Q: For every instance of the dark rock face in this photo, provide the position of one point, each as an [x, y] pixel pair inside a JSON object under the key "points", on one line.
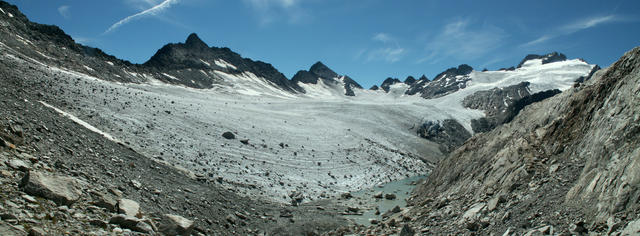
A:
{"points": [[547, 58], [502, 104], [445, 83], [582, 79], [349, 85], [306, 77], [508, 69], [449, 134], [193, 41], [374, 87], [409, 80], [323, 71], [195, 54], [521, 103], [388, 82], [328, 76], [418, 85], [463, 69], [495, 103]]}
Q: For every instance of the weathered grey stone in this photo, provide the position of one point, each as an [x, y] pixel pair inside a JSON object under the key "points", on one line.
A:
{"points": [[633, 228], [60, 189], [143, 227], [128, 207], [473, 211], [136, 184], [494, 202], [228, 135], [176, 225], [105, 201], [35, 231], [407, 231], [378, 195], [231, 219], [131, 223], [29, 198], [18, 165]]}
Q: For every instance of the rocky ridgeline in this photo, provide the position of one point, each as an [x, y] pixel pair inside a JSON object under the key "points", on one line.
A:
{"points": [[564, 166]]}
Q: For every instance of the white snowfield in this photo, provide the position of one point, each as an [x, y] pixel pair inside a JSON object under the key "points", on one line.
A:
{"points": [[321, 143]]}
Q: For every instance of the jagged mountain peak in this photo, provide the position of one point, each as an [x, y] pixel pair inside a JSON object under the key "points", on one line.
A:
{"points": [[386, 84], [546, 58], [320, 71], [462, 69], [196, 54], [193, 41], [410, 80], [323, 71]]}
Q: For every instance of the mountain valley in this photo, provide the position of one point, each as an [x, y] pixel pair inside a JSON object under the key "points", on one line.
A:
{"points": [[206, 142]]}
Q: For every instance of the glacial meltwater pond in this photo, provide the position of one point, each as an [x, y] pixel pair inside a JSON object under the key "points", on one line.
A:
{"points": [[401, 188]]}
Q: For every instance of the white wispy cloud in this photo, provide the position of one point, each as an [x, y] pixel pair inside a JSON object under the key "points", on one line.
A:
{"points": [[387, 49], [387, 54], [155, 10], [269, 11], [540, 40], [382, 37], [571, 28], [65, 11], [588, 23], [460, 40]]}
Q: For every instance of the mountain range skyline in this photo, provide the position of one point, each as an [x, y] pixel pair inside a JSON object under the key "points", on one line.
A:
{"points": [[367, 41]]}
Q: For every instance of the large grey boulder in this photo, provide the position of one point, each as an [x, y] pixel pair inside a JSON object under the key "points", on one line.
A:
{"points": [[60, 189], [128, 207], [131, 223], [104, 200], [176, 225], [18, 165], [633, 228]]}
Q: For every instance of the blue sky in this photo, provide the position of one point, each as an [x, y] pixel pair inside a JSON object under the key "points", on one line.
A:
{"points": [[368, 40]]}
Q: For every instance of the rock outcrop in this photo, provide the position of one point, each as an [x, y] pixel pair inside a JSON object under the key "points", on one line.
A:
{"points": [[61, 189], [447, 82], [319, 71], [547, 58], [180, 59], [449, 134], [176, 225], [388, 82]]}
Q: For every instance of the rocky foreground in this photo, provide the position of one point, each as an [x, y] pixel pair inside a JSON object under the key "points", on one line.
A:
{"points": [[568, 165]]}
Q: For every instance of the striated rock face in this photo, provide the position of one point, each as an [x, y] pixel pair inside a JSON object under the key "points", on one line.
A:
{"points": [[571, 161], [502, 104], [449, 134], [447, 82]]}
